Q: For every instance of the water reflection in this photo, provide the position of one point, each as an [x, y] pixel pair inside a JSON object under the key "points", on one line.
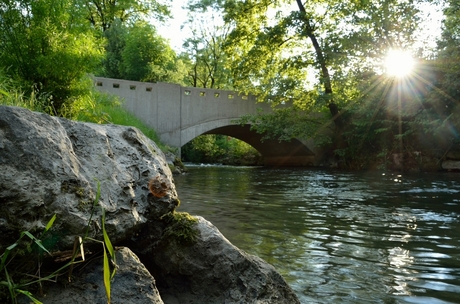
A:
{"points": [[339, 237]]}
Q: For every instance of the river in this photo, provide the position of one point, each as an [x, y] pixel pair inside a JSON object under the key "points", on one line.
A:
{"points": [[339, 237]]}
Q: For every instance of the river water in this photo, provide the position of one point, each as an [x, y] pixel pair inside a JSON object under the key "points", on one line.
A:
{"points": [[339, 237]]}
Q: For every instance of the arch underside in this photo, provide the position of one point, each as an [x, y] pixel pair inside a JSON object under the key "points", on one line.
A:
{"points": [[274, 152]]}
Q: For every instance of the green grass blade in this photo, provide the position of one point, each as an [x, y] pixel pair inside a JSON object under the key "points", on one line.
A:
{"points": [[50, 223], [107, 276], [5, 255], [11, 247], [39, 244], [10, 285], [52, 276], [98, 193], [36, 241], [4, 93], [29, 295], [108, 244], [96, 201], [27, 233]]}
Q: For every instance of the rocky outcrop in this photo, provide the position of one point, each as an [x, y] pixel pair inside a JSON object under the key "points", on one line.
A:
{"points": [[53, 166], [175, 163], [212, 270]]}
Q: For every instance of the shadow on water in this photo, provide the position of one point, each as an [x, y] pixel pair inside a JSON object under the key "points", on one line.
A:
{"points": [[339, 237]]}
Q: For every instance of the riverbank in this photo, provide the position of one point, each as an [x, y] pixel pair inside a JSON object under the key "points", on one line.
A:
{"points": [[429, 157]]}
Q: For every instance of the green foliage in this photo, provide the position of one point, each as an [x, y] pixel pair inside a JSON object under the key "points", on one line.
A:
{"points": [[137, 52], [241, 153], [47, 47], [102, 14], [180, 227], [108, 109], [146, 56], [107, 248], [308, 55], [115, 43], [224, 149], [24, 246], [202, 147], [397, 117], [289, 122], [11, 94], [205, 53], [90, 105], [16, 277]]}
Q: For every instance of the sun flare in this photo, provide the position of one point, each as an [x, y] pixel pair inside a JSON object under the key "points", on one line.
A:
{"points": [[398, 63]]}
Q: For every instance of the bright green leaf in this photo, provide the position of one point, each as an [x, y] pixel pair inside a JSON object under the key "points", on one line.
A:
{"points": [[50, 223], [107, 276], [29, 295]]}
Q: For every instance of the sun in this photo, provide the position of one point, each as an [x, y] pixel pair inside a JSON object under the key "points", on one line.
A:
{"points": [[398, 63]]}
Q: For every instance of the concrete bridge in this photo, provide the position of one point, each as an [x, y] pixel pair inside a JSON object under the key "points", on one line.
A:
{"points": [[179, 114]]}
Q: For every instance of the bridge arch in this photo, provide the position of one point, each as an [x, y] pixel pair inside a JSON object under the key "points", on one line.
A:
{"points": [[274, 152], [179, 114], [190, 132]]}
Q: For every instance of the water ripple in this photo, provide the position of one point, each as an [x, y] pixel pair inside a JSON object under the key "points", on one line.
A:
{"points": [[339, 237]]}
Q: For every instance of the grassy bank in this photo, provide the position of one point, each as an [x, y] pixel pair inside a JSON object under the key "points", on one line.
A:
{"points": [[109, 109]]}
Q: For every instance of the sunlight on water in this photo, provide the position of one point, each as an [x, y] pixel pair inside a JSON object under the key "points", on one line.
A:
{"points": [[339, 237]]}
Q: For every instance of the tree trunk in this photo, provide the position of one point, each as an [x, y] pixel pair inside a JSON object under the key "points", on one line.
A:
{"points": [[325, 76]]}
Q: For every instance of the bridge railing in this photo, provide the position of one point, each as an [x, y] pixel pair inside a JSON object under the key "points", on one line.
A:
{"points": [[112, 84]]}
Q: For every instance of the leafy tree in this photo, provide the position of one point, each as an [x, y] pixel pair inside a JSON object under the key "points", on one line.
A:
{"points": [[277, 57], [202, 149], [449, 54], [205, 52], [137, 52], [115, 44], [146, 55], [47, 46], [103, 13], [441, 115], [208, 67], [317, 56], [117, 20]]}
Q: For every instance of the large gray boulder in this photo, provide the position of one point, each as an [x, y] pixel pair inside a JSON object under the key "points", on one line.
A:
{"points": [[132, 284], [50, 165], [212, 270]]}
